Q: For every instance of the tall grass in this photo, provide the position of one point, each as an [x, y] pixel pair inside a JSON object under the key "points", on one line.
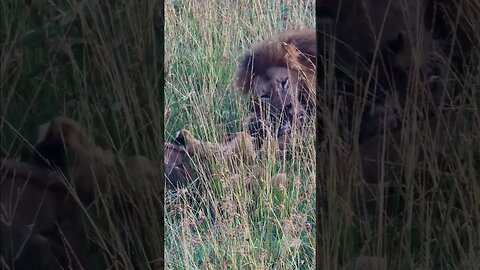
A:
{"points": [[426, 208], [240, 220], [100, 63]]}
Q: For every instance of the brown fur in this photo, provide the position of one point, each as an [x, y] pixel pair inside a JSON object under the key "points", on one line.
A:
{"points": [[180, 155], [389, 148], [380, 162], [178, 170], [93, 169], [279, 72], [122, 183], [274, 52], [36, 198], [386, 44], [362, 24], [455, 24], [275, 91], [62, 138], [24, 186], [262, 125], [396, 28], [259, 130], [22, 250], [236, 148]]}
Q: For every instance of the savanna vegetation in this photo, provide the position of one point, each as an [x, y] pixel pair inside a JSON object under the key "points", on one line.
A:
{"points": [[99, 63], [240, 220]]}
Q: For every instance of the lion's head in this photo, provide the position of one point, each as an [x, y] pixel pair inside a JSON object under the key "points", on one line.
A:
{"points": [[373, 56], [280, 71], [278, 75], [275, 91]]}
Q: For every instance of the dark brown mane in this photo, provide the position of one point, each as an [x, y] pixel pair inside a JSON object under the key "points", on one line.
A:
{"points": [[274, 53]]}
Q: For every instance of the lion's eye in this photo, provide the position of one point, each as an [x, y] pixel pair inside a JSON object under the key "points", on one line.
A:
{"points": [[284, 84]]}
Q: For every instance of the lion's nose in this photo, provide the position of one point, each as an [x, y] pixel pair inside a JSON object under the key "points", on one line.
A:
{"points": [[265, 98]]}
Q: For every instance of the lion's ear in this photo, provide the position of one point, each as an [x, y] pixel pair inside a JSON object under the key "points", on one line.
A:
{"points": [[43, 131], [49, 148], [183, 138], [179, 139]]}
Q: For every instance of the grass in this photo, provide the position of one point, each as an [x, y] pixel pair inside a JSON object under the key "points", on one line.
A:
{"points": [[67, 58], [100, 63], [427, 207], [232, 224]]}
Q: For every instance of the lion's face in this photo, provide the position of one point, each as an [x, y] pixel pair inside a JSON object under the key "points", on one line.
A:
{"points": [[275, 91]]}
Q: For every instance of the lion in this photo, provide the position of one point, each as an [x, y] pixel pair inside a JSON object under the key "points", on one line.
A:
{"points": [[35, 201], [93, 168], [178, 169], [234, 154], [22, 249], [260, 130], [25, 185], [62, 139], [237, 148], [361, 173], [371, 182], [372, 68], [187, 158], [284, 62], [65, 175], [278, 75], [454, 24], [38, 202], [367, 24]]}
